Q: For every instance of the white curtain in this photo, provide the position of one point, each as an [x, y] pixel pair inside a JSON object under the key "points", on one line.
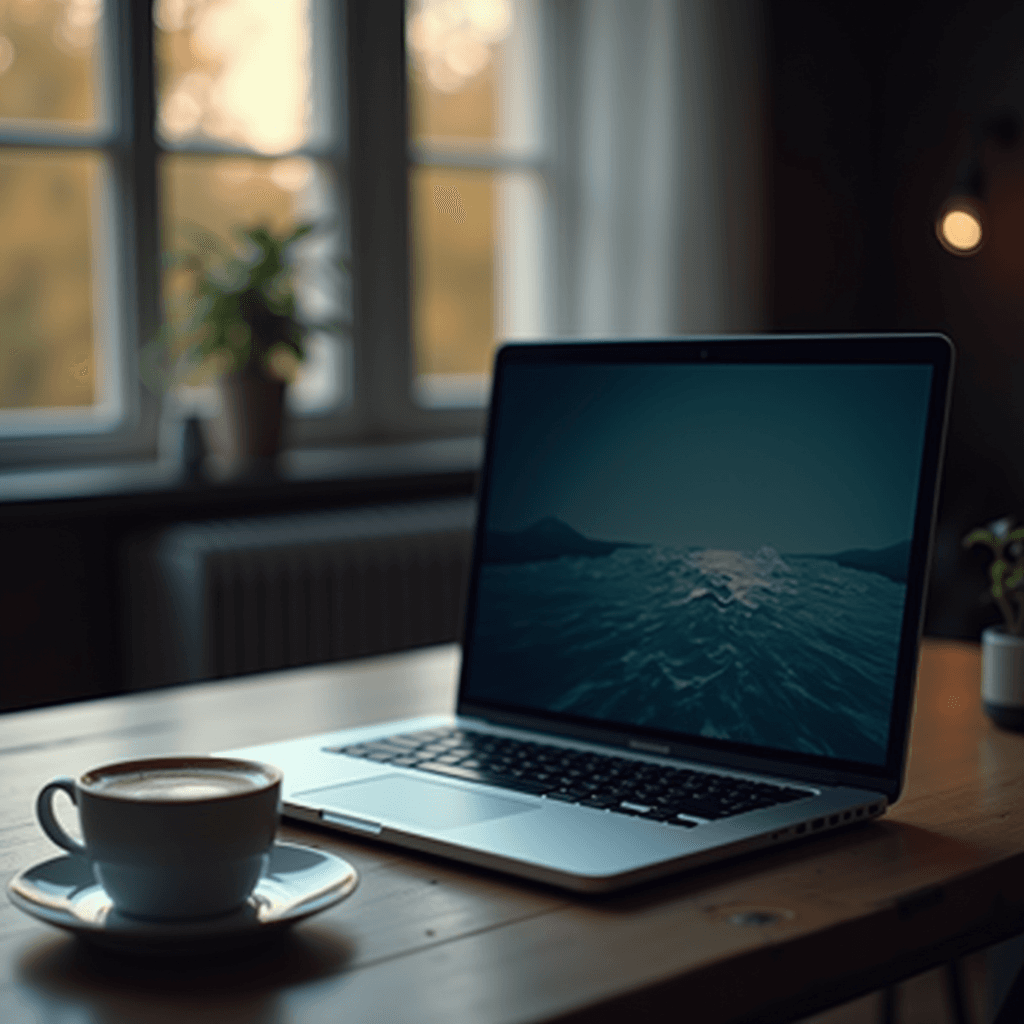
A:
{"points": [[657, 145]]}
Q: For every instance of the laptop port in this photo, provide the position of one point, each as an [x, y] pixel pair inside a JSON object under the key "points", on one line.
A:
{"points": [[834, 819], [860, 811], [801, 829], [846, 816], [873, 809], [818, 823]]}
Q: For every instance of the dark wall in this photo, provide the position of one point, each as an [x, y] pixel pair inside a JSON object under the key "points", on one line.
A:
{"points": [[872, 107], [55, 601], [63, 591], [828, 191]]}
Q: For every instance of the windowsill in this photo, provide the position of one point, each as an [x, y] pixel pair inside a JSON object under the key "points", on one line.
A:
{"points": [[352, 471]]}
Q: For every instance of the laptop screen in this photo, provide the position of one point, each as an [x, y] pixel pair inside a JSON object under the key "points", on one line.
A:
{"points": [[712, 550]]}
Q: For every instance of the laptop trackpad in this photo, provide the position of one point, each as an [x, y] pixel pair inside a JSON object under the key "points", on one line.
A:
{"points": [[422, 803]]}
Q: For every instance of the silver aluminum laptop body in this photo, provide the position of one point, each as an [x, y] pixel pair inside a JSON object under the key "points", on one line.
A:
{"points": [[706, 553]]}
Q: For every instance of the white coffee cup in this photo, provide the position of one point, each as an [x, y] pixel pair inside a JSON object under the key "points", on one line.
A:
{"points": [[172, 838]]}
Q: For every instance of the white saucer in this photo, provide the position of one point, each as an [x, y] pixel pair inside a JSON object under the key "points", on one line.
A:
{"points": [[299, 882]]}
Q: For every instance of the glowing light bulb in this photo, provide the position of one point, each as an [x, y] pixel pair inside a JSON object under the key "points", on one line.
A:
{"points": [[959, 227]]}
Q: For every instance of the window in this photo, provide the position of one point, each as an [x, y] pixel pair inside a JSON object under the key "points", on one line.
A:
{"points": [[62, 365], [123, 126], [479, 187]]}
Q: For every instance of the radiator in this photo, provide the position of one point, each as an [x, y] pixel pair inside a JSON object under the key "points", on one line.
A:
{"points": [[207, 600]]}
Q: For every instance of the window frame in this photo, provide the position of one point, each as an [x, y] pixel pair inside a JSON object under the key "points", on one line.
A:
{"points": [[127, 148], [370, 161], [538, 161], [380, 161]]}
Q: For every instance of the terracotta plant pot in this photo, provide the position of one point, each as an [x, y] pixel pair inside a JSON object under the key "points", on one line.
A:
{"points": [[1002, 677], [253, 416]]}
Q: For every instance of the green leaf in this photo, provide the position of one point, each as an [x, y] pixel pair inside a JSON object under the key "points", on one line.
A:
{"points": [[240, 302], [980, 536], [300, 232], [1015, 578], [997, 572]]}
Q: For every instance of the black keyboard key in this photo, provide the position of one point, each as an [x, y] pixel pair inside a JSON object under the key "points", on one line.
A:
{"points": [[601, 803], [427, 734], [656, 815], [569, 798], [701, 809], [633, 808], [786, 796], [409, 742], [574, 791]]}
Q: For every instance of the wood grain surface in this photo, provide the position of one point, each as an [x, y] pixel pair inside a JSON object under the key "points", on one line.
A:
{"points": [[424, 940]]}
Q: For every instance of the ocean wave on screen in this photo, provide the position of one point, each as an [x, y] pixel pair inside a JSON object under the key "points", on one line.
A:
{"points": [[742, 576], [796, 652]]}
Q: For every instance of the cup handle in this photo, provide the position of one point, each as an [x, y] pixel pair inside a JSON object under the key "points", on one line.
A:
{"points": [[49, 823]]}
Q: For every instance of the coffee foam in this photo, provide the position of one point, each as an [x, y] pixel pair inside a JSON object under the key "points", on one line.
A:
{"points": [[180, 783]]}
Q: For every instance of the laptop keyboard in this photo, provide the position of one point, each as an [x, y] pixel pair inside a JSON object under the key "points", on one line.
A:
{"points": [[677, 796]]}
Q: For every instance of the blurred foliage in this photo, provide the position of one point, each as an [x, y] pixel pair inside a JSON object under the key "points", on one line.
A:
{"points": [[238, 312], [454, 228], [48, 64], [1006, 570]]}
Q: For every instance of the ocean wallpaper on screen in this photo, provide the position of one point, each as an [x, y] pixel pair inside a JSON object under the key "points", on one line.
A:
{"points": [[715, 550]]}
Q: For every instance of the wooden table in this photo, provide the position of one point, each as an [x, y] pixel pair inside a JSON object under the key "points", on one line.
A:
{"points": [[423, 940]]}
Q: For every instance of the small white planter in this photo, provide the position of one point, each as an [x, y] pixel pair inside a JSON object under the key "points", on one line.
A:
{"points": [[1002, 677]]}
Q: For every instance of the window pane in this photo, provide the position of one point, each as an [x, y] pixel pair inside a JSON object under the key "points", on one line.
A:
{"points": [[235, 72], [474, 73], [50, 55], [474, 80], [453, 270], [221, 195], [49, 207], [477, 275]]}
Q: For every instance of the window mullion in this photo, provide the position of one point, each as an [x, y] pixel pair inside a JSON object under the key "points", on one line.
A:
{"points": [[134, 157], [379, 205]]}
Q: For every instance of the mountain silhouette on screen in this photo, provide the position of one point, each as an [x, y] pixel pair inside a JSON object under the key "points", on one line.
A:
{"points": [[891, 562], [546, 539]]}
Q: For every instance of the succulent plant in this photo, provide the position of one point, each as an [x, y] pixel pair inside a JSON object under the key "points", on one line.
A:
{"points": [[1006, 571]]}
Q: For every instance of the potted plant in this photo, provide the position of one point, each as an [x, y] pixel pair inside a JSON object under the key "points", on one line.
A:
{"points": [[235, 314], [1002, 647]]}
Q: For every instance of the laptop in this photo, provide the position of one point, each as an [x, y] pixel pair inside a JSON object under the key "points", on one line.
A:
{"points": [[693, 614]]}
